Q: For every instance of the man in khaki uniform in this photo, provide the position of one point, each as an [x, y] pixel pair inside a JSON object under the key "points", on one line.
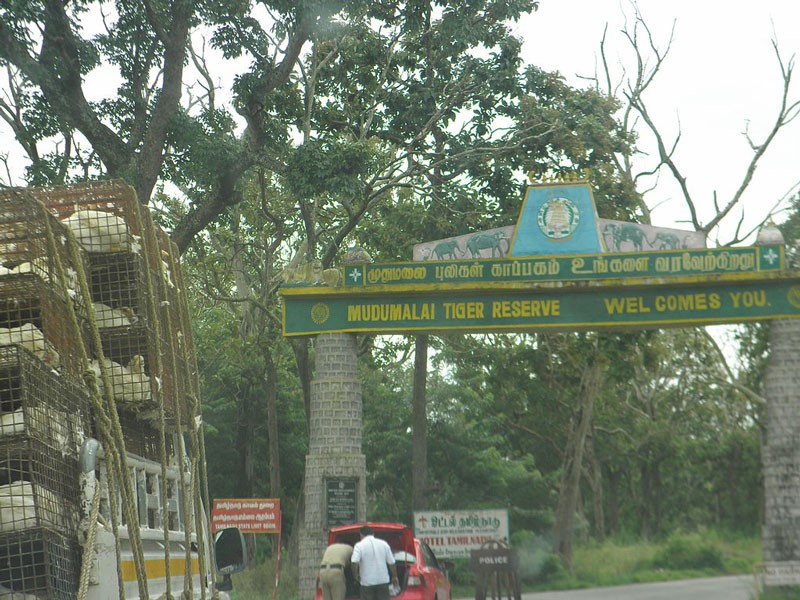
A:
{"points": [[331, 571]]}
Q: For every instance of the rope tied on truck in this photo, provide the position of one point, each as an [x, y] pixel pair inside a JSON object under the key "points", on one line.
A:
{"points": [[106, 417], [108, 306]]}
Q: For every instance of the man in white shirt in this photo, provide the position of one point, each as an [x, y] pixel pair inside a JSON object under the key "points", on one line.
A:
{"points": [[372, 562]]}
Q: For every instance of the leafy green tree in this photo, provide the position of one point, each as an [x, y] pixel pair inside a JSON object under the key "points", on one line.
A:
{"points": [[380, 124]]}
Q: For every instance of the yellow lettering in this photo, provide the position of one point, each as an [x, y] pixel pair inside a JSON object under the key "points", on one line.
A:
{"points": [[517, 309], [614, 306], [691, 302], [463, 310]]}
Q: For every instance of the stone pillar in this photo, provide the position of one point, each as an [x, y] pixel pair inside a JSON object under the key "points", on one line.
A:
{"points": [[780, 536], [334, 451], [780, 454]]}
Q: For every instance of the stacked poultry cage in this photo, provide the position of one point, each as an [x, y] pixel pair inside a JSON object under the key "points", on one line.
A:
{"points": [[132, 272], [43, 409], [91, 332]]}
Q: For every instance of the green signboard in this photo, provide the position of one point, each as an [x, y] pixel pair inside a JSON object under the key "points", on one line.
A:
{"points": [[672, 264], [309, 310]]}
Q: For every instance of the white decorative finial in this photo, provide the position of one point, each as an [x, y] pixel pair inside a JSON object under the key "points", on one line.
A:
{"points": [[769, 235]]}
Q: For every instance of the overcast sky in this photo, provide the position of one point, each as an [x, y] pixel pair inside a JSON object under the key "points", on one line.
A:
{"points": [[721, 73]]}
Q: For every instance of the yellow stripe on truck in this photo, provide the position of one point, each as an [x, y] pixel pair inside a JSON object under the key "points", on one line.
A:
{"points": [[157, 568]]}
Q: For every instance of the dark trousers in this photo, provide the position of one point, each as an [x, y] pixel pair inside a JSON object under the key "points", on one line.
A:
{"points": [[375, 592]]}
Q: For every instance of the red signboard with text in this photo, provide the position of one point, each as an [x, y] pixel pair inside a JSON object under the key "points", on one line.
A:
{"points": [[250, 515]]}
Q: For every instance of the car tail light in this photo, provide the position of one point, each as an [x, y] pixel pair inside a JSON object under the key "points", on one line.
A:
{"points": [[415, 579]]}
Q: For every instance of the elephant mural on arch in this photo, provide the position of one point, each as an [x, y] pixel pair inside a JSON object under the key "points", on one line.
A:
{"points": [[446, 250], [491, 240], [666, 241], [625, 232]]}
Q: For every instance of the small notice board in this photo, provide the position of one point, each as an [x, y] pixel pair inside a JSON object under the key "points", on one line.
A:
{"points": [[250, 515], [341, 506]]}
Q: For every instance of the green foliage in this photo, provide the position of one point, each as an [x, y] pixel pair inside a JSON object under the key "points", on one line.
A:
{"points": [[617, 562], [259, 581], [319, 167], [688, 552], [538, 565], [781, 593], [462, 576], [397, 123]]}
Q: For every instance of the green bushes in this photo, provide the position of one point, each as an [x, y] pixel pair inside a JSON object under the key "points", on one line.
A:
{"points": [[537, 563], [259, 580], [688, 553], [613, 562]]}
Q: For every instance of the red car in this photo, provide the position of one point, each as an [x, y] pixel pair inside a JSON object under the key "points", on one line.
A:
{"points": [[422, 576]]}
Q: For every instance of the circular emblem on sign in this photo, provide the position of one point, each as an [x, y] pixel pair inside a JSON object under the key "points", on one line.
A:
{"points": [[794, 296], [558, 218], [320, 313]]}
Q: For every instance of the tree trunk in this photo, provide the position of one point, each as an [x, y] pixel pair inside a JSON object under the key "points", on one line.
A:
{"points": [[656, 496], [596, 483], [613, 502], [644, 515], [303, 362], [244, 445], [419, 445], [275, 489], [573, 461]]}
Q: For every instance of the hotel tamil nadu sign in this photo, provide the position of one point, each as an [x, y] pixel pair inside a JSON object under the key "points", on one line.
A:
{"points": [[559, 268]]}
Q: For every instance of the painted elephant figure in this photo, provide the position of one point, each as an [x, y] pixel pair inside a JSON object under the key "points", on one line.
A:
{"points": [[482, 241], [625, 233], [666, 241], [446, 250]]}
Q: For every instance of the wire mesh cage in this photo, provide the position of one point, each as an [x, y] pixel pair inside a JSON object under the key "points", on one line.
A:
{"points": [[32, 315], [143, 436], [31, 239], [103, 215], [38, 487], [118, 288], [131, 285], [145, 354], [127, 364], [38, 563], [36, 402]]}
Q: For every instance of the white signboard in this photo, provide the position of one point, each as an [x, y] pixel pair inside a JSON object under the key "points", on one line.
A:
{"points": [[781, 573], [454, 533]]}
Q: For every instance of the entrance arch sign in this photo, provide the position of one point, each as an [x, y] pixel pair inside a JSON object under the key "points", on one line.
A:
{"points": [[646, 278], [629, 265], [522, 278], [429, 309]]}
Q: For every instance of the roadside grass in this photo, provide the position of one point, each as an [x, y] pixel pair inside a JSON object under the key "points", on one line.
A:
{"points": [[613, 562], [788, 594], [681, 556], [259, 582]]}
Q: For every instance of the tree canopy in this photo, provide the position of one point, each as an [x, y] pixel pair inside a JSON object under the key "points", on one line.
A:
{"points": [[380, 124]]}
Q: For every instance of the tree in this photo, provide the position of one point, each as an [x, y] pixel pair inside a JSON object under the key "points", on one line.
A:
{"points": [[647, 58], [358, 120]]}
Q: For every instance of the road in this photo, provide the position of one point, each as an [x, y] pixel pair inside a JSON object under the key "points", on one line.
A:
{"points": [[737, 587]]}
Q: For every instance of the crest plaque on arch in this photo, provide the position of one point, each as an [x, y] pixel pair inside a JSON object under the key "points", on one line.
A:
{"points": [[557, 218]]}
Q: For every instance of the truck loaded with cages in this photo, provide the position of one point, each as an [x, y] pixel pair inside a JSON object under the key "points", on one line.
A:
{"points": [[102, 463]]}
